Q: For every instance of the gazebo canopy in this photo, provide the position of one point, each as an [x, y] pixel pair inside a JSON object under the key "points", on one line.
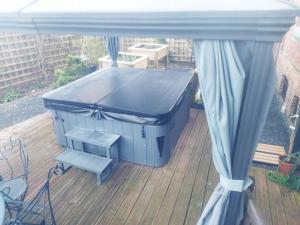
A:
{"points": [[265, 20]]}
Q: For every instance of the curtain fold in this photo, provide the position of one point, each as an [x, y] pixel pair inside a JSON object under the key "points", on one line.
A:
{"points": [[257, 100], [224, 70], [112, 46]]}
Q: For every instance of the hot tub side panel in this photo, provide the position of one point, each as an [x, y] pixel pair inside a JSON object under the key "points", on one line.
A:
{"points": [[139, 143], [161, 140]]}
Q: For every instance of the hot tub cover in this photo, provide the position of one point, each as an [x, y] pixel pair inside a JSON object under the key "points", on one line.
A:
{"points": [[137, 94]]}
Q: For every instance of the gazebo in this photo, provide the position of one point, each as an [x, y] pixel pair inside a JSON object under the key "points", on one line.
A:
{"points": [[233, 45]]}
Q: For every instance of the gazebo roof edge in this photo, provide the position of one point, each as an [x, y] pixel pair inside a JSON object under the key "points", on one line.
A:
{"points": [[265, 20]]}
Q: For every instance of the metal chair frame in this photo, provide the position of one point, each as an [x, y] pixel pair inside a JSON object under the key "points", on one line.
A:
{"points": [[30, 209], [9, 148]]}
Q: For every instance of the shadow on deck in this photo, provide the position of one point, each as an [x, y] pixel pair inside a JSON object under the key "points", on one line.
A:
{"points": [[174, 194]]}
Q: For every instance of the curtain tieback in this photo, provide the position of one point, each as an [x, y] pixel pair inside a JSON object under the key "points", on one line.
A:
{"points": [[235, 185]]}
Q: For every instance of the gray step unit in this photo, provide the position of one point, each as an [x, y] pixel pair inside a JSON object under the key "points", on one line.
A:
{"points": [[86, 161], [86, 137]]}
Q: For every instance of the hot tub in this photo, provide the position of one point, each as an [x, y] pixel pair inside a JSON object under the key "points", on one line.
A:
{"points": [[147, 108]]}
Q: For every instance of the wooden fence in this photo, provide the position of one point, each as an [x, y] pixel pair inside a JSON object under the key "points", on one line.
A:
{"points": [[25, 59]]}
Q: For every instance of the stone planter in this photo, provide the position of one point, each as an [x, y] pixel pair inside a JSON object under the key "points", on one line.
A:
{"points": [[126, 59], [154, 51]]}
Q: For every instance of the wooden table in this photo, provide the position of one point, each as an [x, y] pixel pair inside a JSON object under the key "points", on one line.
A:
{"points": [[2, 210]]}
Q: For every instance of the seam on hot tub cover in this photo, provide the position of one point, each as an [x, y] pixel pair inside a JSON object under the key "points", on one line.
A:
{"points": [[144, 96]]}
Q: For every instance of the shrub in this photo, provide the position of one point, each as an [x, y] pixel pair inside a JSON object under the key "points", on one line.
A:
{"points": [[162, 41], [74, 69], [92, 47], [37, 85], [10, 96]]}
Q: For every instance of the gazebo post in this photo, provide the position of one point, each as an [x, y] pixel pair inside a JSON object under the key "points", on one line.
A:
{"points": [[261, 82]]}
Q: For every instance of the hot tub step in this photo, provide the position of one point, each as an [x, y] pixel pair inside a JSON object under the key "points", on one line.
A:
{"points": [[86, 161], [92, 137]]}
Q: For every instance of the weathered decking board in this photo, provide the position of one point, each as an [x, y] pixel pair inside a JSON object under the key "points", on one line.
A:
{"points": [[174, 194], [268, 154]]}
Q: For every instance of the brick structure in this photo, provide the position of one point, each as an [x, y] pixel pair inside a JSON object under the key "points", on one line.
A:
{"points": [[288, 82], [288, 70]]}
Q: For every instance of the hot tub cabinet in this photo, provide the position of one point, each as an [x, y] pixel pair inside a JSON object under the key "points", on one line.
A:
{"points": [[155, 51], [126, 59], [148, 109]]}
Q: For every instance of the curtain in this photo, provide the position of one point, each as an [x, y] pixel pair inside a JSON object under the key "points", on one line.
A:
{"points": [[112, 46], [233, 95]]}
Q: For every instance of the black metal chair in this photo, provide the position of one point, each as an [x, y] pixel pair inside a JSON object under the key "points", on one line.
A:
{"points": [[14, 186], [39, 210]]}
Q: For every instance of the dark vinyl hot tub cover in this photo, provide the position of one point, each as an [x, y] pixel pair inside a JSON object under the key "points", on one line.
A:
{"points": [[127, 94]]}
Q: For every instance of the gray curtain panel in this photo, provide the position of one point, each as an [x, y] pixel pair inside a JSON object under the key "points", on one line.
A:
{"points": [[112, 46], [224, 70]]}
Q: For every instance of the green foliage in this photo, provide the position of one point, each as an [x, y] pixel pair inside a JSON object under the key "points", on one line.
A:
{"points": [[95, 49], [162, 41], [92, 47], [74, 69], [128, 58], [198, 97], [37, 85], [10, 96], [291, 180]]}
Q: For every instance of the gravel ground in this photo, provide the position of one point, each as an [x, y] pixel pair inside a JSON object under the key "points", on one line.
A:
{"points": [[275, 131], [21, 109]]}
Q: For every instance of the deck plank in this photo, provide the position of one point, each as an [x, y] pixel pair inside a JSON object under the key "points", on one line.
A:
{"points": [[182, 202], [166, 208], [162, 188], [297, 197], [125, 208], [197, 199], [290, 204], [145, 197], [277, 209], [141, 204], [98, 198], [212, 180], [262, 197], [118, 199], [174, 194]]}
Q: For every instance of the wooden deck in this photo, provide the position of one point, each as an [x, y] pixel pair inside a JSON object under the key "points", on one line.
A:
{"points": [[174, 194]]}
